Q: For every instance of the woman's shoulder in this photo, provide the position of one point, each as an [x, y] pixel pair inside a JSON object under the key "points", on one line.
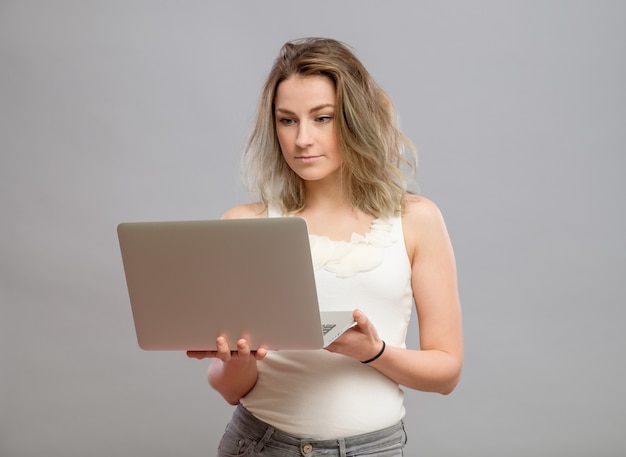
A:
{"points": [[421, 220], [418, 208], [248, 210]]}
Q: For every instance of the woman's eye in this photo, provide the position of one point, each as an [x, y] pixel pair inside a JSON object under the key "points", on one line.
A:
{"points": [[286, 121], [324, 119]]}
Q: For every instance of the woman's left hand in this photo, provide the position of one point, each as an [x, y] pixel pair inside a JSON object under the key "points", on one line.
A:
{"points": [[360, 342]]}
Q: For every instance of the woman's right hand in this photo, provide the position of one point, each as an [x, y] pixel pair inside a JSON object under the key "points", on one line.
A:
{"points": [[232, 373]]}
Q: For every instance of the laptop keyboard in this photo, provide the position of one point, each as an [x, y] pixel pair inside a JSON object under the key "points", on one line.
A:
{"points": [[327, 328]]}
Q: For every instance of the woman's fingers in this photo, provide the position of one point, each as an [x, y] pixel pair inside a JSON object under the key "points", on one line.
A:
{"points": [[260, 353], [223, 350], [224, 353]]}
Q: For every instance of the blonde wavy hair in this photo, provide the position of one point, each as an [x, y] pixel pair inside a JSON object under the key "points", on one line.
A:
{"points": [[374, 149]]}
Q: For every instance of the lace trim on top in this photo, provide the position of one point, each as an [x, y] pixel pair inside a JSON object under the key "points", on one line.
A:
{"points": [[347, 258]]}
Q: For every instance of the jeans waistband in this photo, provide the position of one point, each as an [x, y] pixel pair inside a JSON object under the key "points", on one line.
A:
{"points": [[265, 433]]}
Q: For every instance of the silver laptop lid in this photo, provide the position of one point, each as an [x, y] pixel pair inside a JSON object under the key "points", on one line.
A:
{"points": [[190, 281]]}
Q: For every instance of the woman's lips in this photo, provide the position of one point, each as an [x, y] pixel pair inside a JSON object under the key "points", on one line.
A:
{"points": [[307, 159]]}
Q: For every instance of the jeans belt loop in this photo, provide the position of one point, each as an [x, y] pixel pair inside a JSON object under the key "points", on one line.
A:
{"points": [[268, 434]]}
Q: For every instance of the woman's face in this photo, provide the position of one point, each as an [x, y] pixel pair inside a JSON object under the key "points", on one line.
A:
{"points": [[305, 125]]}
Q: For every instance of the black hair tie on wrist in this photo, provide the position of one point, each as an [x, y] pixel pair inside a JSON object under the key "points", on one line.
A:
{"points": [[377, 355]]}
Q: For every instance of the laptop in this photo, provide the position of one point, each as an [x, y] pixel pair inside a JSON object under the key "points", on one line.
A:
{"points": [[192, 281]]}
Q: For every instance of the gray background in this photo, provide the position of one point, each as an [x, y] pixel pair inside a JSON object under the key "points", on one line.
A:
{"points": [[116, 110]]}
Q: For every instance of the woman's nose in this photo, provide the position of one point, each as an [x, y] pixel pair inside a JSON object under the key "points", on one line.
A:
{"points": [[304, 138]]}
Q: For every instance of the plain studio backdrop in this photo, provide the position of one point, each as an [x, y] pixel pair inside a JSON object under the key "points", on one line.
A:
{"points": [[117, 111]]}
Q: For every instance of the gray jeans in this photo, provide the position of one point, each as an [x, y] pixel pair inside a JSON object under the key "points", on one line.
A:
{"points": [[246, 435]]}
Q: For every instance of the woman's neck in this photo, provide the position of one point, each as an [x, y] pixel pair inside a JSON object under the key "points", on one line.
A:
{"points": [[329, 212], [326, 195]]}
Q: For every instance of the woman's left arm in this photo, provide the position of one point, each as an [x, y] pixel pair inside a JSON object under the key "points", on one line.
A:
{"points": [[436, 366]]}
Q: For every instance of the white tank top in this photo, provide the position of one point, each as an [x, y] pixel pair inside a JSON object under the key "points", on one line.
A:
{"points": [[321, 395]]}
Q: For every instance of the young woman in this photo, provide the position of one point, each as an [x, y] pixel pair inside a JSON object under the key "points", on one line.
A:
{"points": [[326, 148]]}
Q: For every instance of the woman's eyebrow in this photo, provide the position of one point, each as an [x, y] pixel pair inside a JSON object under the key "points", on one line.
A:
{"points": [[312, 110]]}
